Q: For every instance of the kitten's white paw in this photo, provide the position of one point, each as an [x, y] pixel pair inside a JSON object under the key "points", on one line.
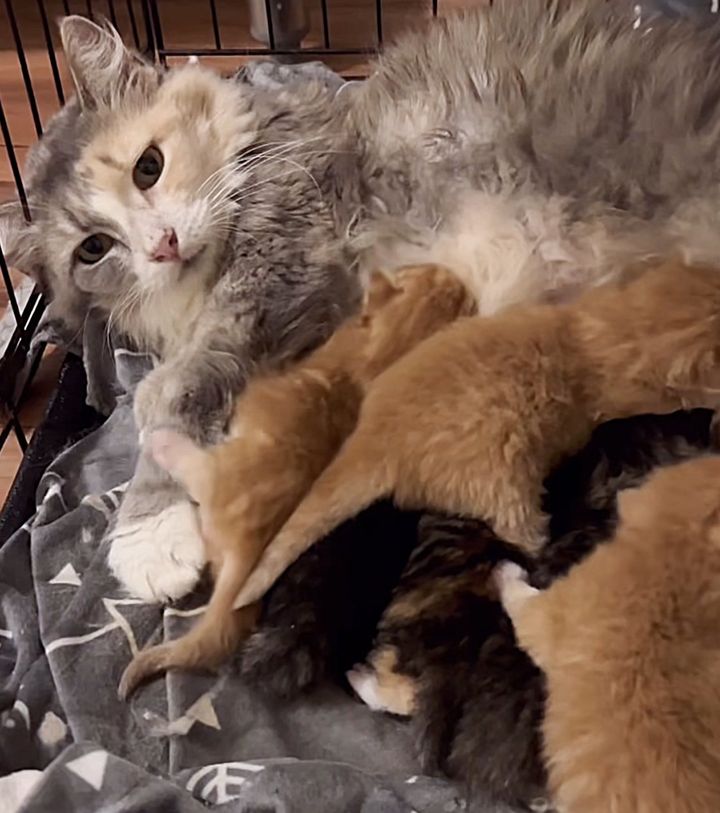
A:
{"points": [[365, 685], [512, 586], [159, 558], [395, 694], [508, 574]]}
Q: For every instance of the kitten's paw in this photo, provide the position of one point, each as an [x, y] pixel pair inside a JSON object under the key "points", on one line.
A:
{"points": [[512, 586], [508, 574], [395, 694], [158, 558]]}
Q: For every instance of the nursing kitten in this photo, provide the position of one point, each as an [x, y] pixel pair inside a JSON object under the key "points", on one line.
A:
{"points": [[473, 420], [628, 642], [478, 698], [448, 576], [286, 428], [532, 146]]}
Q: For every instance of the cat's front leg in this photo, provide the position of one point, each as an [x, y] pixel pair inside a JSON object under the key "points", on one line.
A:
{"points": [[156, 551], [194, 395]]}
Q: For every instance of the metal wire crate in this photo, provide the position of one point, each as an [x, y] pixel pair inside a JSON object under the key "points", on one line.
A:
{"points": [[339, 32]]}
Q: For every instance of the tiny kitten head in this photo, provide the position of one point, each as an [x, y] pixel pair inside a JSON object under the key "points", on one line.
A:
{"points": [[410, 305], [131, 186]]}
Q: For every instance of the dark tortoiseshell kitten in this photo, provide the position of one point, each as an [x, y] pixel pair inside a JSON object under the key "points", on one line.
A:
{"points": [[444, 650]]}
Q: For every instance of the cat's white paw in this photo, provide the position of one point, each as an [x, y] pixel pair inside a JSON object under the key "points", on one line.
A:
{"points": [[159, 558]]}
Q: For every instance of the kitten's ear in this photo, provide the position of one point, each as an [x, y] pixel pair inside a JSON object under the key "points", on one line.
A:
{"points": [[102, 67], [17, 239], [380, 291], [182, 459]]}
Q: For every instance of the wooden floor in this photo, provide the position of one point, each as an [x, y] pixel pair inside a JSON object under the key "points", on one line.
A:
{"points": [[186, 24]]}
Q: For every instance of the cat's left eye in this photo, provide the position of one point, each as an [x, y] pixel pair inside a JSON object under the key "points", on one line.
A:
{"points": [[94, 248], [148, 168]]}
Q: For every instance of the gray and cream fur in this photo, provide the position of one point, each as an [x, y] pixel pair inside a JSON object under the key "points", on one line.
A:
{"points": [[534, 147]]}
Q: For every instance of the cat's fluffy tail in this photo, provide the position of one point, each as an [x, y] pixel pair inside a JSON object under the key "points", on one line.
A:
{"points": [[359, 475]]}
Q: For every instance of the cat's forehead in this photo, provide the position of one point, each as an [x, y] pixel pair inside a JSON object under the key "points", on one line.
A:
{"points": [[191, 103], [83, 150]]}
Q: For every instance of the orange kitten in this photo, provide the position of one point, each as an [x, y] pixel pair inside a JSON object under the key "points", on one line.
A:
{"points": [[287, 427], [472, 420], [630, 646]]}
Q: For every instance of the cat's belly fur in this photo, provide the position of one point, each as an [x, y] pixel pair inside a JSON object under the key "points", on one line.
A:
{"points": [[512, 249], [532, 167]]}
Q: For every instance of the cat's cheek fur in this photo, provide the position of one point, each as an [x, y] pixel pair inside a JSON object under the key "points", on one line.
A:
{"points": [[158, 558]]}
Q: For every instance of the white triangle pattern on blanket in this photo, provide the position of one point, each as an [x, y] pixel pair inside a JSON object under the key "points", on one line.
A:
{"points": [[203, 712], [90, 768], [67, 575]]}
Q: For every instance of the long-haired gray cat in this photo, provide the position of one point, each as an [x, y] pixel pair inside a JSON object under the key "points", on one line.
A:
{"points": [[533, 147]]}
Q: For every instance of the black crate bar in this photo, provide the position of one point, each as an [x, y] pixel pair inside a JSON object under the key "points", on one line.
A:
{"points": [[112, 15], [215, 26], [51, 51], [274, 35], [19, 363], [133, 23]]}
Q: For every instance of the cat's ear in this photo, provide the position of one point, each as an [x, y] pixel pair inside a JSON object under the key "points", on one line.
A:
{"points": [[380, 291], [182, 459], [102, 67], [18, 239]]}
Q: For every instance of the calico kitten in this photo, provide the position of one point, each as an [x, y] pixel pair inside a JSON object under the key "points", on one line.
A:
{"points": [[473, 420], [535, 147], [286, 429], [447, 577], [628, 642]]}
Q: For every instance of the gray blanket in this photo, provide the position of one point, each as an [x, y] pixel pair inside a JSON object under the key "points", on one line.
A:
{"points": [[66, 633]]}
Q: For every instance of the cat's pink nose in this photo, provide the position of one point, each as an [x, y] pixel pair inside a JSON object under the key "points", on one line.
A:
{"points": [[167, 248]]}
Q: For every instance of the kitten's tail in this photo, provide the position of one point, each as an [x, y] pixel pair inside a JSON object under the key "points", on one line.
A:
{"points": [[357, 477], [213, 638]]}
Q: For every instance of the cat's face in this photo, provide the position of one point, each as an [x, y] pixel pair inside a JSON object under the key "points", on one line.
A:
{"points": [[131, 188], [155, 186]]}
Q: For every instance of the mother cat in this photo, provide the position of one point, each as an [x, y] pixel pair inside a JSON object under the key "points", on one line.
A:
{"points": [[531, 146]]}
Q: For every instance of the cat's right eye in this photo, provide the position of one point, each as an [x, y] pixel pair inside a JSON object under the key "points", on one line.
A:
{"points": [[94, 248]]}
